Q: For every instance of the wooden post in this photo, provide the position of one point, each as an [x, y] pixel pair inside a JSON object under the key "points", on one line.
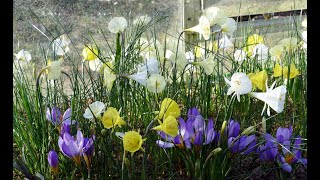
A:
{"points": [[190, 15]]}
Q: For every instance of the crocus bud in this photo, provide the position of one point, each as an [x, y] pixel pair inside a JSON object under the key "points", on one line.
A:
{"points": [[249, 130], [223, 127], [53, 161], [216, 150]]}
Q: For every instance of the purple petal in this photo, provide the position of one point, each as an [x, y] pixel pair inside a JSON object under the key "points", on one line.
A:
{"points": [[198, 139], [66, 118], [183, 129], [64, 128], [190, 130], [163, 144], [177, 140], [199, 124], [192, 113], [210, 136], [187, 143], [53, 158], [63, 148], [286, 167], [55, 115]]}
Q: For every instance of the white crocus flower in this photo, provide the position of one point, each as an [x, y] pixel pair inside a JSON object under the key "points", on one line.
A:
{"points": [[140, 77], [240, 84], [117, 24], [54, 69], [95, 65], [261, 51], [239, 55], [215, 16], [60, 45], [156, 83], [23, 55], [203, 28], [229, 26], [151, 66], [94, 110], [274, 98]]}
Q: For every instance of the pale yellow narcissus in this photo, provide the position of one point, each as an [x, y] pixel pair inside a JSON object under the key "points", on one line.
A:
{"points": [[203, 28], [293, 71], [259, 80], [169, 126], [168, 108], [53, 69], [108, 76], [277, 70], [132, 141], [111, 118], [89, 53]]}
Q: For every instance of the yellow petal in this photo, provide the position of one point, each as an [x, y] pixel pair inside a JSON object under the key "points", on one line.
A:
{"points": [[259, 79], [169, 108], [277, 70]]}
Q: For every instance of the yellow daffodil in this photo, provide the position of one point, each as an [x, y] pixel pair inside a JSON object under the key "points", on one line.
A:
{"points": [[111, 118], [169, 126], [293, 71], [169, 108], [132, 141], [89, 53], [259, 80], [203, 28], [277, 70], [252, 41]]}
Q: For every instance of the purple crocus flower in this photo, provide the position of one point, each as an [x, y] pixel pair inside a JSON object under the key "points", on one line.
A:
{"points": [[88, 150], [56, 118], [269, 151], [175, 141], [64, 128], [195, 131], [284, 134], [53, 161], [244, 144], [72, 147], [291, 155], [233, 129]]}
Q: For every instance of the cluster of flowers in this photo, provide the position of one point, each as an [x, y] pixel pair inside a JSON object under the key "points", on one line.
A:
{"points": [[280, 149], [71, 147]]}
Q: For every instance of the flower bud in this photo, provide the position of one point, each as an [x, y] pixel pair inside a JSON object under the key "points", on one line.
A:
{"points": [[53, 161], [249, 130]]}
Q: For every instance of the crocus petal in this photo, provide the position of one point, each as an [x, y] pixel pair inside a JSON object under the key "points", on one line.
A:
{"points": [[164, 144], [198, 139]]}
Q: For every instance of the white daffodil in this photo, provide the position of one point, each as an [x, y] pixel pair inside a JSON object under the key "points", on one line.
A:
{"points": [[142, 20], [151, 66], [225, 42], [239, 55], [117, 24], [53, 69], [140, 77], [289, 43], [189, 56], [261, 51], [304, 37], [60, 45], [95, 65], [203, 28], [304, 23], [276, 52], [274, 98], [229, 26], [23, 55], [240, 84], [108, 76], [207, 65], [215, 16], [94, 110], [156, 83]]}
